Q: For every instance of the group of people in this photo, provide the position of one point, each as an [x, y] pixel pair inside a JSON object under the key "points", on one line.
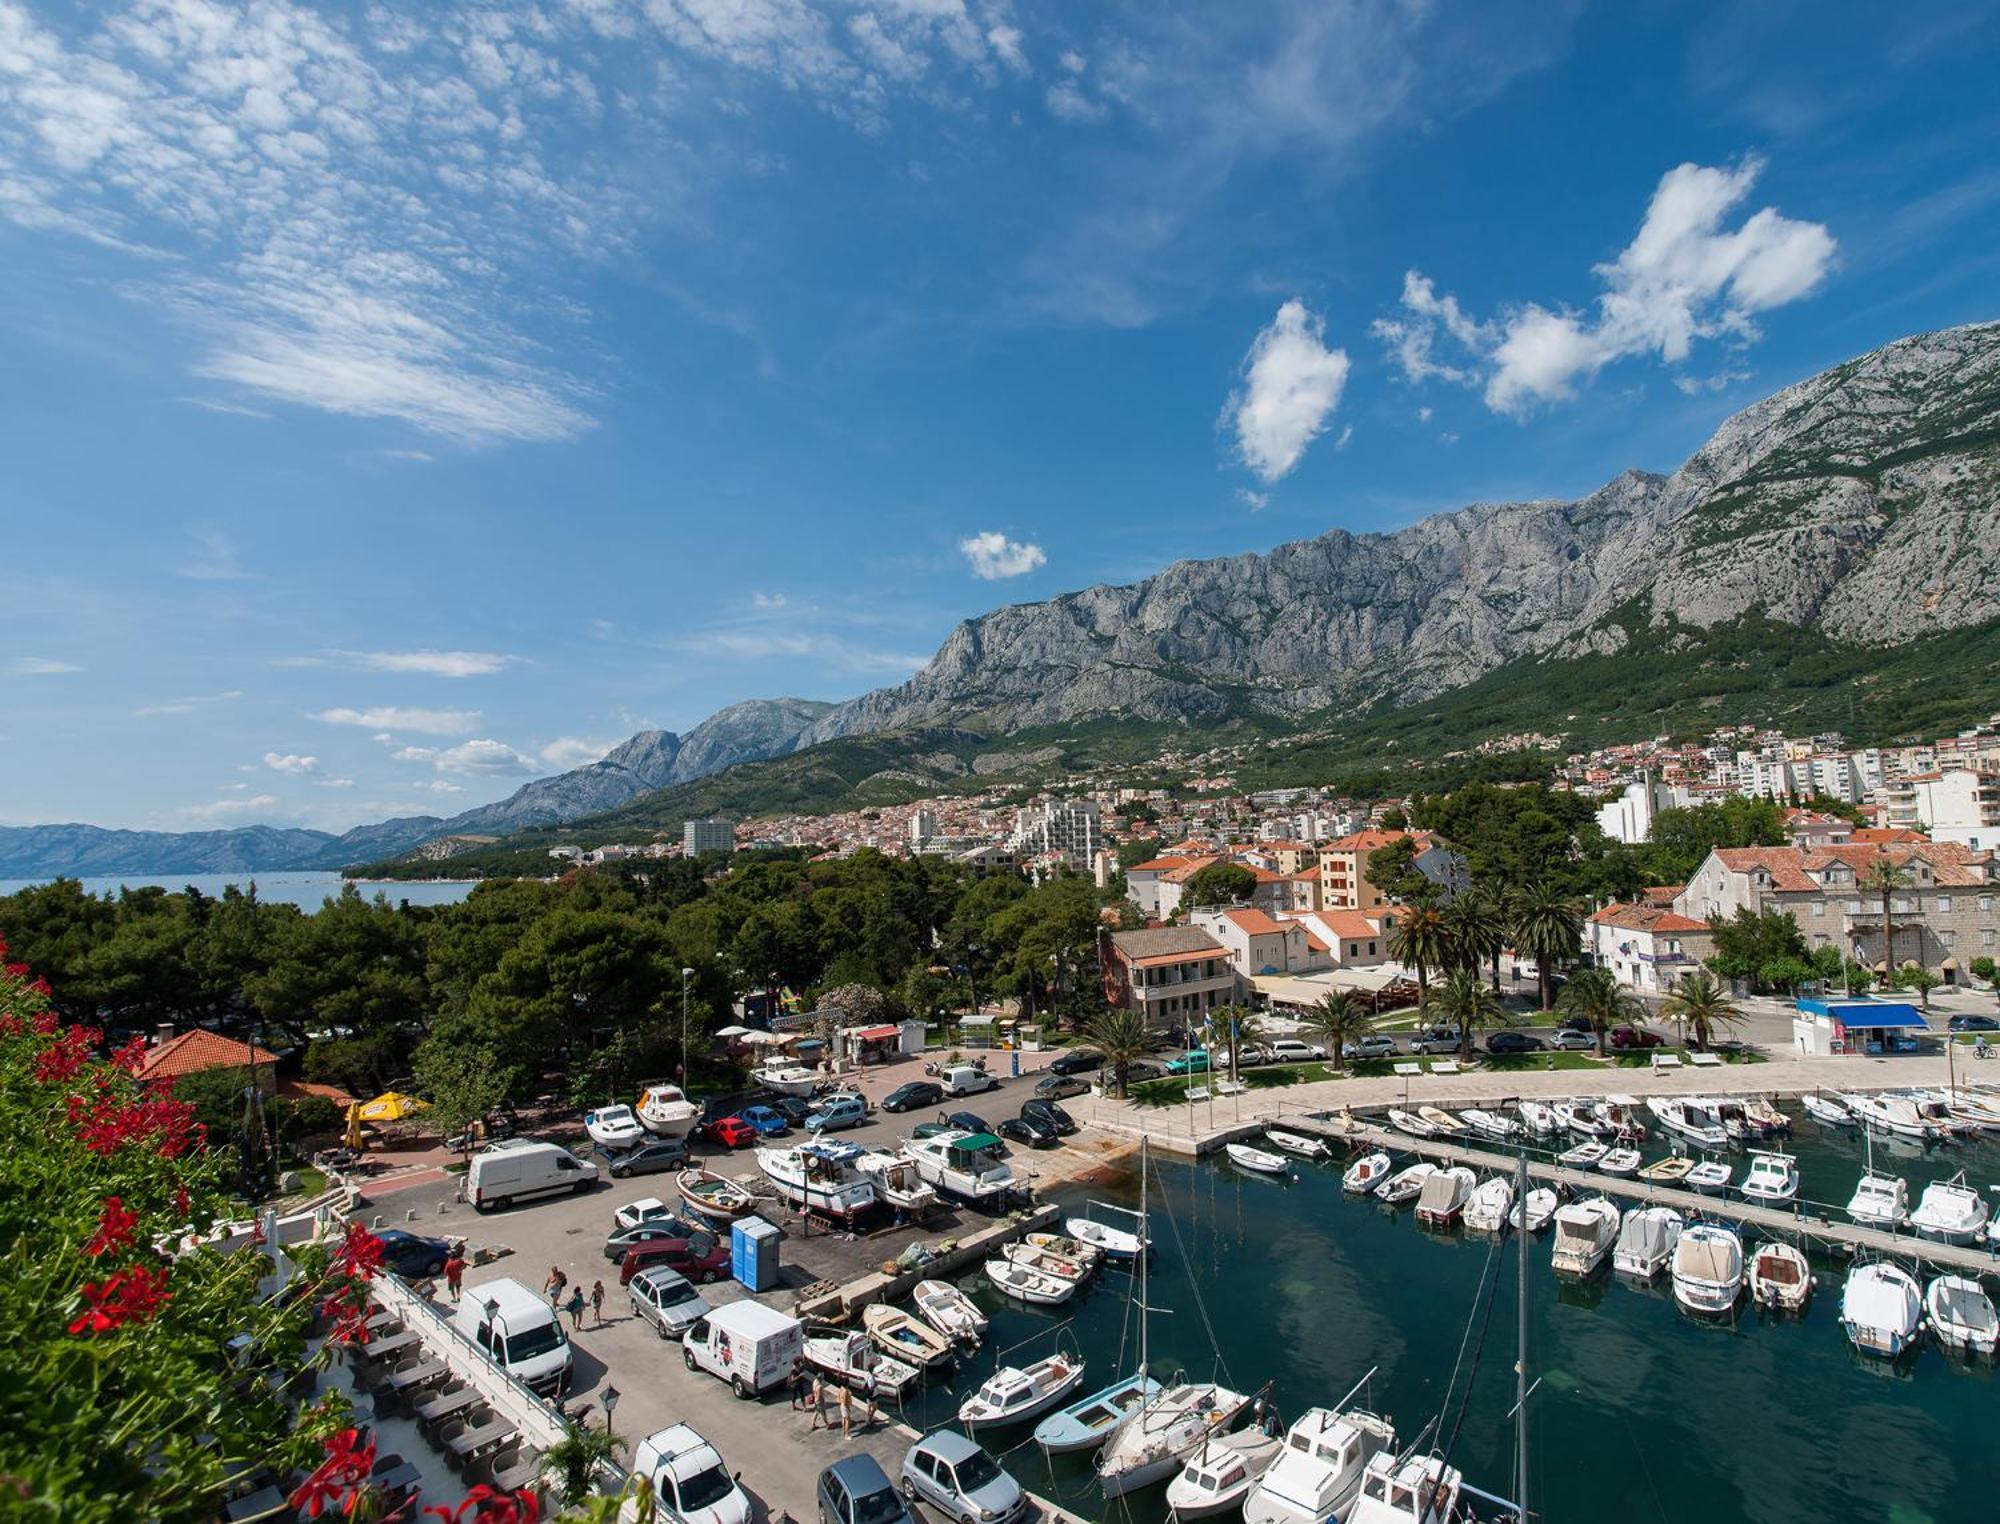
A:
{"points": [[814, 1394], [568, 1298]]}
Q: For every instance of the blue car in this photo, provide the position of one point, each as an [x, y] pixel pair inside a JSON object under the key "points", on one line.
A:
{"points": [[1195, 1062], [768, 1122]]}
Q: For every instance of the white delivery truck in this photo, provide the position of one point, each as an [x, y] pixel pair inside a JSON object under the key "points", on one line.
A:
{"points": [[747, 1344], [519, 1331], [523, 1171]]}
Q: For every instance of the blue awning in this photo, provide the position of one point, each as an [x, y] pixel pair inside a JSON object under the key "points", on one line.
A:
{"points": [[1878, 1015]]}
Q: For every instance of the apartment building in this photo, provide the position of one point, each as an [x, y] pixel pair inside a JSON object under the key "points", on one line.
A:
{"points": [[1958, 804], [1170, 975], [1646, 947], [1066, 828], [1343, 868], [700, 836]]}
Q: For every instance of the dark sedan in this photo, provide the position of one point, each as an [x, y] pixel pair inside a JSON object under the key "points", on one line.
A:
{"points": [[1082, 1061], [411, 1256], [916, 1093], [652, 1230], [648, 1158], [1514, 1042], [1973, 1024], [1059, 1087], [1049, 1113], [1636, 1037], [1030, 1130], [698, 1257]]}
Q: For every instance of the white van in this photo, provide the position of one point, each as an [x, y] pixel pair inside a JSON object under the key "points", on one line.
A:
{"points": [[968, 1079], [525, 1171], [747, 1344], [520, 1332]]}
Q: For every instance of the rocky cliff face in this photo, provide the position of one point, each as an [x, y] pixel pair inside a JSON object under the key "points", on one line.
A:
{"points": [[1864, 502]]}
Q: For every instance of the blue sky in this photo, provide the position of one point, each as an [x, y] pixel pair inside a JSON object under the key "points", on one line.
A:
{"points": [[398, 401]]}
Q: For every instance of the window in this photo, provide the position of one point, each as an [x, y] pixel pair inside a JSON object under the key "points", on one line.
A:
{"points": [[1944, 904], [1819, 907], [1854, 907]]}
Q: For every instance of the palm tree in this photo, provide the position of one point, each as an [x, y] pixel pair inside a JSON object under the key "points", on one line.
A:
{"points": [[1549, 929], [1478, 928], [572, 1462], [1121, 1036], [1596, 996], [1464, 1001], [1339, 1019], [1422, 940], [1700, 1005], [1884, 877]]}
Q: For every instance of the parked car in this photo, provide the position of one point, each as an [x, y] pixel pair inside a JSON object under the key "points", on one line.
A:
{"points": [[691, 1485], [1374, 1045], [412, 1256], [1435, 1040], [730, 1132], [698, 1257], [768, 1121], [793, 1108], [1571, 1040], [909, 1097], [1195, 1062], [856, 1490], [838, 1112], [960, 1480], [969, 1121], [648, 1158], [1142, 1069], [1078, 1061], [1574, 1024], [656, 1230], [666, 1299], [1251, 1054], [1029, 1130], [645, 1209], [1636, 1037], [1048, 1111], [967, 1079], [1294, 1050], [1514, 1042], [1059, 1087], [1973, 1024]]}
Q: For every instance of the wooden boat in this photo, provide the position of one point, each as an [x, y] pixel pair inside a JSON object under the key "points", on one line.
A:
{"points": [[1443, 1123], [1365, 1173], [1780, 1278], [1668, 1171], [1090, 1421], [1218, 1476], [1961, 1314], [1619, 1163], [1710, 1177], [1765, 1115], [1406, 1183], [1025, 1285], [896, 1333], [1585, 1155], [1028, 1257], [1015, 1393], [1296, 1143], [1828, 1113], [712, 1196], [1411, 1123], [1243, 1156], [1064, 1247], [950, 1311], [850, 1358], [1536, 1213]]}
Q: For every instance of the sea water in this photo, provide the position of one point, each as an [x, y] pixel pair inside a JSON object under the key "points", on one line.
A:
{"points": [[307, 890]]}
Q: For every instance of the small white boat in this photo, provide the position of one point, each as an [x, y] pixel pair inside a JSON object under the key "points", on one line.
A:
{"points": [[1646, 1241], [899, 1185], [852, 1359], [1064, 1247], [1243, 1156], [1620, 1163], [1671, 1170], [1828, 1113], [1025, 1285], [1417, 1489], [1695, 1120], [1090, 1421], [896, 1333], [1317, 1474], [1765, 1117], [666, 1110], [1150, 1445], [1406, 1183], [1710, 1177], [820, 1177], [1579, 1117], [1780, 1278], [1443, 1123], [1296, 1143], [1892, 1114], [1621, 1114], [787, 1079], [1585, 1231], [950, 1311], [1539, 1210], [1487, 1207], [1585, 1155], [1015, 1393], [707, 1194], [613, 1127], [1950, 1211], [1218, 1476], [1708, 1269], [1042, 1262], [1961, 1314], [1538, 1117], [1411, 1123], [1491, 1124], [1881, 1309], [1365, 1173], [1115, 1243], [1770, 1178], [1880, 1201], [1442, 1200]]}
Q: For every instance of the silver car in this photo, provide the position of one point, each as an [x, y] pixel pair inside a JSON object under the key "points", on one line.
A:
{"points": [[1571, 1040], [960, 1480], [664, 1298]]}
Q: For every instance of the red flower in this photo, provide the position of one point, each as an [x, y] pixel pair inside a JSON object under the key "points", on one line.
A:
{"points": [[67, 1055], [105, 1124], [359, 1254], [131, 1055], [491, 1506], [128, 1296], [347, 1466], [348, 1307], [181, 1206], [114, 1228]]}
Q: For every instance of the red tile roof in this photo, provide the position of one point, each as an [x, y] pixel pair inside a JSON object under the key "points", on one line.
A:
{"points": [[1648, 918], [197, 1051], [1256, 922]]}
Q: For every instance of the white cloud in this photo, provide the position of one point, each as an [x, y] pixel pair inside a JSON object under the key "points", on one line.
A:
{"points": [[1072, 61], [40, 666], [189, 704], [1006, 44], [1254, 501], [429, 722], [333, 783], [1067, 101], [791, 645], [1423, 415], [439, 786], [291, 764], [482, 757], [436, 663], [1686, 276], [215, 559], [223, 808], [1721, 381], [1291, 384], [1346, 434], [566, 752], [768, 600], [993, 556]]}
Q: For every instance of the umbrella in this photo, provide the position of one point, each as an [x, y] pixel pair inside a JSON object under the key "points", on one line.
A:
{"points": [[391, 1106], [732, 1031], [353, 1139]]}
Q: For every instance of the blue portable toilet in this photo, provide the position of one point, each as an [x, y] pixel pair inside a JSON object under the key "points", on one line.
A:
{"points": [[753, 1253]]}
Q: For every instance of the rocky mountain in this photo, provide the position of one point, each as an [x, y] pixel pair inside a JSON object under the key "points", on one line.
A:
{"points": [[1863, 503], [86, 851]]}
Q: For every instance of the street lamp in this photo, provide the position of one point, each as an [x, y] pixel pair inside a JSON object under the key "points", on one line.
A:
{"points": [[686, 974], [610, 1406]]}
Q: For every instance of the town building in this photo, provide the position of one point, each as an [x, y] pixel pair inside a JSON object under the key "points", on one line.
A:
{"points": [[1960, 804], [1169, 974], [1066, 828], [1647, 947], [703, 836], [1343, 868]]}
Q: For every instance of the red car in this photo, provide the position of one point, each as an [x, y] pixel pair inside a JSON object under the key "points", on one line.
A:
{"points": [[1635, 1037], [699, 1257], [730, 1132]]}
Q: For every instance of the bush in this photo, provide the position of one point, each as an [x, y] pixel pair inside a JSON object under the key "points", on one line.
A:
{"points": [[308, 1116]]}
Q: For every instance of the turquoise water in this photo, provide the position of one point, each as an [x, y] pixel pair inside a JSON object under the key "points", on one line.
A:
{"points": [[1643, 1413], [307, 890]]}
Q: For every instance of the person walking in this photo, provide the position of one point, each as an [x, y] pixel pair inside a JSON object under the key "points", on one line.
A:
{"points": [[798, 1383], [817, 1402], [869, 1391], [454, 1271], [575, 1307], [552, 1288], [597, 1303], [846, 1411]]}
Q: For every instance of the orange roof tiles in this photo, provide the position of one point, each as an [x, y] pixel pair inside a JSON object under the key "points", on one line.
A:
{"points": [[1648, 918], [197, 1051]]}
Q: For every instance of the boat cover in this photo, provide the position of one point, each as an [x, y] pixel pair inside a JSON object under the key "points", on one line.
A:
{"points": [[1708, 1259], [1648, 1236], [1441, 1193], [1963, 1305]]}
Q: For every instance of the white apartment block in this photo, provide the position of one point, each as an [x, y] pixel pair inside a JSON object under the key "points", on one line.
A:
{"points": [[699, 836], [1067, 828], [1961, 805]]}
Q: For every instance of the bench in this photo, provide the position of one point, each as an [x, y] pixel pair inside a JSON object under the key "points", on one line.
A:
{"points": [[1231, 1087], [1409, 1071], [1666, 1061], [1445, 1066], [1198, 1092], [1705, 1060]]}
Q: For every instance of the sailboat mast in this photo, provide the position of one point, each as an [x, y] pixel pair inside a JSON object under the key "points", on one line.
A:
{"points": [[1145, 1239], [1521, 1336]]}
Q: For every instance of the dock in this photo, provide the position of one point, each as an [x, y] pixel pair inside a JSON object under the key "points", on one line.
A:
{"points": [[1776, 1222]]}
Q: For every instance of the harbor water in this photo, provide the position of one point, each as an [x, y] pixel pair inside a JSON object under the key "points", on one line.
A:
{"points": [[307, 890], [1643, 1413]]}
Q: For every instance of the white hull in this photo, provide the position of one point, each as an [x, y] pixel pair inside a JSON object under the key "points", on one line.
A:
{"points": [[1151, 1445], [1539, 1210], [1295, 1143], [1365, 1174], [1487, 1208], [829, 1189], [666, 1112], [1113, 1243], [1406, 1184], [1245, 1157], [1827, 1113], [1881, 1310], [1585, 1231], [619, 1129], [950, 1311], [1961, 1315], [1780, 1278], [1219, 1476]]}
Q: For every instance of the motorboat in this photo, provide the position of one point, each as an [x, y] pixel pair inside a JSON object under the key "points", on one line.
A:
{"points": [[1442, 1200], [896, 1333], [1880, 1201], [1881, 1309], [1692, 1120], [1365, 1173], [852, 1359], [1780, 1278], [1296, 1143], [1974, 1111], [1535, 1213], [1934, 1109], [1828, 1113], [1042, 1262], [1646, 1241], [1487, 1207], [1620, 1163], [1585, 1231], [1317, 1474], [950, 1311], [1621, 1113], [1671, 1170], [1112, 1242], [1708, 1269], [1406, 1183], [1064, 1247], [1218, 1476], [1765, 1116], [1579, 1118], [1735, 1116], [1538, 1117], [820, 1177], [665, 1110], [1257, 1160], [707, 1194], [787, 1078], [1491, 1124], [1090, 1421], [1015, 1393], [1151, 1444], [1710, 1177], [1416, 1489], [1950, 1211], [1585, 1155], [1443, 1123], [613, 1126], [965, 1166], [1961, 1315], [1025, 1285], [898, 1184], [1770, 1178], [1893, 1114], [1411, 1123]]}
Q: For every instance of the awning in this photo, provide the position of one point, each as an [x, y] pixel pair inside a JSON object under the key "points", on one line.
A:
{"points": [[877, 1034], [1883, 1017], [972, 1142], [981, 1020], [732, 1031]]}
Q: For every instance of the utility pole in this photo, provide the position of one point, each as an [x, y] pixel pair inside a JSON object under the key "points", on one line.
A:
{"points": [[686, 1067]]}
